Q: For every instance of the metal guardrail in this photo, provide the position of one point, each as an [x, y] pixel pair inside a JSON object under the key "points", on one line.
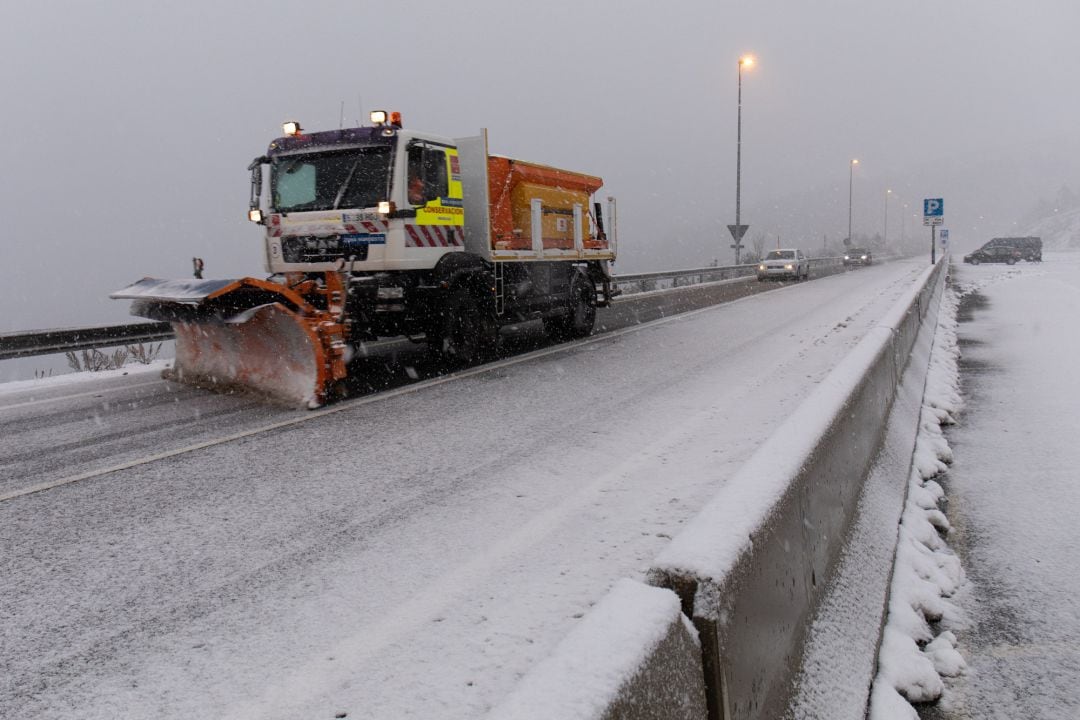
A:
{"points": [[648, 282], [29, 343], [47, 342]]}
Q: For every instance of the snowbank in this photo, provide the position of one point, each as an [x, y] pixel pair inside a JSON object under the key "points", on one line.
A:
{"points": [[75, 378], [912, 660]]}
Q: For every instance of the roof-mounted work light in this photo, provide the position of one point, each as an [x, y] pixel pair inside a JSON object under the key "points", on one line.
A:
{"points": [[291, 128], [389, 119]]}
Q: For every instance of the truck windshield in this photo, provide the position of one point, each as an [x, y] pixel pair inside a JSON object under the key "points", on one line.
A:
{"points": [[354, 178]]}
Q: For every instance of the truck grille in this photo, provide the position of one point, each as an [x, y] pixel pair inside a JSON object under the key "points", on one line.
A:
{"points": [[327, 248]]}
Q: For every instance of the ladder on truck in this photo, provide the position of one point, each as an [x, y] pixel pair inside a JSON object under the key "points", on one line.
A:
{"points": [[500, 288]]}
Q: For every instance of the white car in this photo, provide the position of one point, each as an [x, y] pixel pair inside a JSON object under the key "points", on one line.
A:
{"points": [[784, 263]]}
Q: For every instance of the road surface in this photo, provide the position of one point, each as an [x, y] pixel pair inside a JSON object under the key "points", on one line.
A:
{"points": [[410, 553]]}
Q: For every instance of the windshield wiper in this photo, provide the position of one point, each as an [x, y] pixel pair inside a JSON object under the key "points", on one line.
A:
{"points": [[345, 185]]}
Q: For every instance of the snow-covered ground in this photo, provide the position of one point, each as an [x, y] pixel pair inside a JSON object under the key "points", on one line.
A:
{"points": [[413, 556], [1013, 497], [1014, 492], [49, 385]]}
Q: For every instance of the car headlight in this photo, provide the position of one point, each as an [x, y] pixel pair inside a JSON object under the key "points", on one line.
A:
{"points": [[789, 267], [761, 267], [847, 257]]}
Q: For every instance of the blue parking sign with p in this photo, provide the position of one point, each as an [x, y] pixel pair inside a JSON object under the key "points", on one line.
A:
{"points": [[933, 207]]}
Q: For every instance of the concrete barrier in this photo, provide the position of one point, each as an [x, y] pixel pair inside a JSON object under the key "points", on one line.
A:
{"points": [[752, 566], [634, 655], [749, 570]]}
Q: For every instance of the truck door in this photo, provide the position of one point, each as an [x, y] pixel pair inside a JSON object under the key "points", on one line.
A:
{"points": [[433, 191]]}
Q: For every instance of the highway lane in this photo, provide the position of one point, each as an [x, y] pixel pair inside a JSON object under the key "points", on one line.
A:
{"points": [[411, 554], [54, 432]]}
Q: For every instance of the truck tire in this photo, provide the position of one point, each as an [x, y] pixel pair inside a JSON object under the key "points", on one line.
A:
{"points": [[467, 333], [580, 317]]}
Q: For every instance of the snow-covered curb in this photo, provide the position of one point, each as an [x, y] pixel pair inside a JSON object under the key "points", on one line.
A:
{"points": [[912, 660], [635, 648], [75, 378]]}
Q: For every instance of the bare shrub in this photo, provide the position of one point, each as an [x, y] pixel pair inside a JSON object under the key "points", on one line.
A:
{"points": [[144, 353], [93, 360]]}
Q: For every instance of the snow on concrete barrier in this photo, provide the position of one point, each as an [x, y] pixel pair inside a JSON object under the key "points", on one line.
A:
{"points": [[634, 655], [752, 566]]}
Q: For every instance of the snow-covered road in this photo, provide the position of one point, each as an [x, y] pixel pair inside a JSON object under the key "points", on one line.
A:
{"points": [[413, 554]]}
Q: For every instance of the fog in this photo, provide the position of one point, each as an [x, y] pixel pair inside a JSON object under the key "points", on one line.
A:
{"points": [[128, 126]]}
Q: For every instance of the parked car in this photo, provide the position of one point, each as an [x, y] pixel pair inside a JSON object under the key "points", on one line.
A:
{"points": [[858, 256], [784, 263], [1030, 247], [1000, 254]]}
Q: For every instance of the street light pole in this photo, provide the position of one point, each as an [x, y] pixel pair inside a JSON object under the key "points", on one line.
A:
{"points": [[748, 61], [885, 234], [850, 188]]}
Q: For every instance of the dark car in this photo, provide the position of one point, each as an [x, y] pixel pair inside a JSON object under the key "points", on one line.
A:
{"points": [[858, 256], [1000, 254], [1030, 247]]}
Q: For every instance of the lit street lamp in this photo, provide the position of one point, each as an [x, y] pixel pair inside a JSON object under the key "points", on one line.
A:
{"points": [[850, 187], [738, 229]]}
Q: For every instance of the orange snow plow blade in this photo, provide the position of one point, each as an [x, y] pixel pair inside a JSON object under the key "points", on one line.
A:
{"points": [[251, 334]]}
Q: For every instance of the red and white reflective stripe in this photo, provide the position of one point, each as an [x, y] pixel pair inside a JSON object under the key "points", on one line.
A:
{"points": [[432, 236], [379, 227]]}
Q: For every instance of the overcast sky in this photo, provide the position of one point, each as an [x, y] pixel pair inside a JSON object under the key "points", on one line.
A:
{"points": [[128, 125]]}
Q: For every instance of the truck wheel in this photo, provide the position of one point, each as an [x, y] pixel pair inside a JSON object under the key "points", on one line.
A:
{"points": [[582, 309], [580, 317], [467, 334]]}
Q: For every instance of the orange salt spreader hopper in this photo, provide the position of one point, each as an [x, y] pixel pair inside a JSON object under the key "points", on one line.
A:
{"points": [[513, 184]]}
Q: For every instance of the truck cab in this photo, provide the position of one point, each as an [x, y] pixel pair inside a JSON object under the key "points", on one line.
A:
{"points": [[374, 198]]}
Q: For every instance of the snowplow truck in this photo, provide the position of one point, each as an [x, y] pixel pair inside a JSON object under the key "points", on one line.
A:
{"points": [[380, 231]]}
